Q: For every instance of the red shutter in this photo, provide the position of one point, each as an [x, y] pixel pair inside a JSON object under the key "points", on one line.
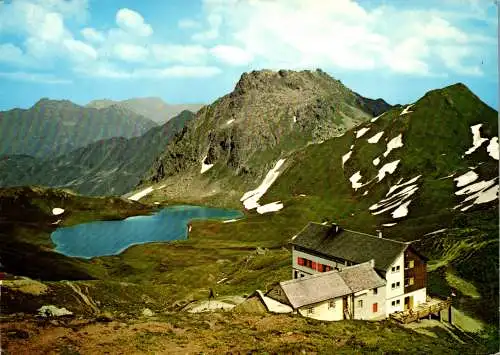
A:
{"points": [[300, 261], [313, 265], [319, 267], [375, 308]]}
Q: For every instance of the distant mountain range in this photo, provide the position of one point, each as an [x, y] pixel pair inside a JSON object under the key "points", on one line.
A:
{"points": [[107, 167], [153, 108], [56, 127]]}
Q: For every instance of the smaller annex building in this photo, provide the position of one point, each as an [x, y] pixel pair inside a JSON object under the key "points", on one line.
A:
{"points": [[355, 292]]}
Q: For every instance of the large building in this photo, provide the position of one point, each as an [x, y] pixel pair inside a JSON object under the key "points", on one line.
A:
{"points": [[329, 249]]}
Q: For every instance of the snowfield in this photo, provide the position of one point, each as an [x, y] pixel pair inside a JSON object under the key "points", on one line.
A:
{"points": [[397, 199], [376, 118], [394, 143], [141, 194], [376, 138], [406, 110], [362, 132], [250, 199], [57, 211], [477, 141], [355, 180], [388, 168], [466, 178], [205, 167], [346, 157], [270, 207], [376, 161], [492, 148], [230, 121]]}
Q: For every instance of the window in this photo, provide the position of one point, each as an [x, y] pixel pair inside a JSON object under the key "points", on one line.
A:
{"points": [[409, 281], [300, 261], [375, 308], [395, 303], [395, 268], [398, 284], [375, 291], [360, 303], [310, 310], [410, 264], [331, 304]]}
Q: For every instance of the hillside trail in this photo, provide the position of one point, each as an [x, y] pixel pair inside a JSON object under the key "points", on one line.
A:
{"points": [[86, 299]]}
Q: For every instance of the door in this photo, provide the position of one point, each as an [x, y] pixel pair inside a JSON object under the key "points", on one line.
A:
{"points": [[344, 307], [408, 302]]}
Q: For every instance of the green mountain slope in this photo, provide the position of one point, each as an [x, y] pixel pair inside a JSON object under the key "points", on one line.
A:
{"points": [[107, 167], [153, 108], [53, 127]]}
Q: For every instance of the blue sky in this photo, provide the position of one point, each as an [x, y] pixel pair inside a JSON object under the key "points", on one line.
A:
{"points": [[187, 51]]}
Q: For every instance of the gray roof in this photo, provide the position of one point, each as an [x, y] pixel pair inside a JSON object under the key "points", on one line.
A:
{"points": [[328, 285], [349, 245]]}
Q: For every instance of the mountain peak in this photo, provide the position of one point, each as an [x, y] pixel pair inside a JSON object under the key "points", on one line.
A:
{"points": [[269, 80]]}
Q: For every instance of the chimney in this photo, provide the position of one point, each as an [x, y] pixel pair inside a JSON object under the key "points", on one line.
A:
{"points": [[372, 263], [379, 232]]}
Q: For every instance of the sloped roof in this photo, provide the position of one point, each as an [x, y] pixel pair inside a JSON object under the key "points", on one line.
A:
{"points": [[328, 285], [349, 245]]}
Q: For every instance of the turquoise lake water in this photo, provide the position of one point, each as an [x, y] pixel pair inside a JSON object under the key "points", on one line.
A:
{"points": [[101, 238]]}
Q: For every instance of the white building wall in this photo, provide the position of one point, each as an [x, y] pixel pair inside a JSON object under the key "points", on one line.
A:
{"points": [[322, 311], [306, 270], [419, 296], [396, 294], [369, 298]]}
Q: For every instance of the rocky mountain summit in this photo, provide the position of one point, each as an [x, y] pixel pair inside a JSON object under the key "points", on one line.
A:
{"points": [[268, 113]]}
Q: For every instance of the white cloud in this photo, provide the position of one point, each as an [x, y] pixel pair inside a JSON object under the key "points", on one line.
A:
{"points": [[92, 35], [106, 70], [339, 34], [214, 23], [187, 54], [133, 23], [12, 54], [34, 77], [231, 55], [80, 50], [188, 24], [130, 52]]}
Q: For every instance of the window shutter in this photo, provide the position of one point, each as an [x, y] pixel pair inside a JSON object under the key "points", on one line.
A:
{"points": [[320, 267], [375, 307], [314, 265], [300, 261]]}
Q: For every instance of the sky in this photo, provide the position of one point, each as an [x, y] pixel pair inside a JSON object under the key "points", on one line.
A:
{"points": [[194, 51]]}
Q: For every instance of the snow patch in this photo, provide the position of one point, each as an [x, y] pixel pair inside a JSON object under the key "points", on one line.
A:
{"points": [[436, 232], [352, 146], [250, 199], [492, 148], [376, 138], [294, 119], [477, 141], [355, 180], [205, 167], [376, 161], [162, 187], [466, 178], [376, 118], [394, 143], [270, 207], [365, 193], [397, 201], [478, 193], [230, 121], [57, 222], [141, 194], [156, 203], [388, 168], [53, 311], [389, 224], [406, 110], [362, 132], [401, 211], [230, 220], [57, 211], [447, 177], [346, 157]]}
